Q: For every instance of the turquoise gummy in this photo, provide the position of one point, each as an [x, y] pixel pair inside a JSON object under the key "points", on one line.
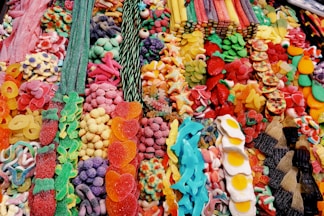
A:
{"points": [[193, 180]]}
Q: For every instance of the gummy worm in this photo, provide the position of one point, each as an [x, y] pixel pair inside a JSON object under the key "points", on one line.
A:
{"points": [[84, 189]]}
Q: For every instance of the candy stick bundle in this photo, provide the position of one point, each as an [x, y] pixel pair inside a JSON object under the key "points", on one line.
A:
{"points": [[223, 17]]}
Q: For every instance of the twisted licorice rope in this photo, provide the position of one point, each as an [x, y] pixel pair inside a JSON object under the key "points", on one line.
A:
{"points": [[129, 50]]}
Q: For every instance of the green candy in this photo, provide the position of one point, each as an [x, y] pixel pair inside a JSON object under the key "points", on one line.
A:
{"points": [[318, 91], [304, 80], [44, 184]]}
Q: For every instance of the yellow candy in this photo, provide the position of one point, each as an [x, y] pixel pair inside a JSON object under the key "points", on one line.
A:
{"points": [[32, 131], [20, 122], [9, 89]]}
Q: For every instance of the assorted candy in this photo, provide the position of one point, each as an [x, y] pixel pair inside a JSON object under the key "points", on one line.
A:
{"points": [[161, 107]]}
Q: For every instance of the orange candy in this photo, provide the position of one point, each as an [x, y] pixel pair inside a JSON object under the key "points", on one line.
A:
{"points": [[118, 186], [4, 109], [4, 137], [124, 129], [128, 110]]}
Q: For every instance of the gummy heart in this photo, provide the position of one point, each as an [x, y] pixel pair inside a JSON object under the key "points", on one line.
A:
{"points": [[129, 168], [127, 207], [128, 110], [121, 153], [118, 187], [124, 129]]}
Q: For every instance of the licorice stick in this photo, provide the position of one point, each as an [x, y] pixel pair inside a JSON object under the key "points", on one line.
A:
{"points": [[203, 13], [172, 24], [232, 12], [69, 53], [242, 16], [77, 47], [183, 13], [193, 12], [81, 78], [176, 14], [213, 13], [198, 14], [220, 14]]}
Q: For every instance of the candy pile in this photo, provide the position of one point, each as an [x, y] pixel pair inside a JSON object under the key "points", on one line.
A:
{"points": [[161, 107], [152, 138]]}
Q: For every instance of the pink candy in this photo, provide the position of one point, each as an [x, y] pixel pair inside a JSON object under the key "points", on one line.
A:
{"points": [[35, 95], [102, 95], [152, 137]]}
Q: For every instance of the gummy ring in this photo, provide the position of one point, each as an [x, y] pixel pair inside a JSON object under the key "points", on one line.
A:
{"points": [[5, 121], [13, 70], [201, 57], [9, 89], [32, 132], [12, 104], [20, 122]]}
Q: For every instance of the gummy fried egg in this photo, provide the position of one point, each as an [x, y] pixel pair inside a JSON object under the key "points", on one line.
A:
{"points": [[230, 127], [246, 208], [232, 143], [240, 187], [236, 161]]}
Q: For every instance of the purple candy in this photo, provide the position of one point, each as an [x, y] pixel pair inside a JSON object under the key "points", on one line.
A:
{"points": [[88, 164], [91, 172], [80, 165], [101, 171], [89, 181], [98, 181], [83, 175], [97, 161], [77, 180], [97, 191]]}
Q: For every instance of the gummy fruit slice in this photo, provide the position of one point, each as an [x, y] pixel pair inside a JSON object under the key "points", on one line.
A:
{"points": [[128, 110], [124, 129], [121, 153]]}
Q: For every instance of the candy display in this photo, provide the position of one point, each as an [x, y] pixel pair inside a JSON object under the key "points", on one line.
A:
{"points": [[161, 107]]}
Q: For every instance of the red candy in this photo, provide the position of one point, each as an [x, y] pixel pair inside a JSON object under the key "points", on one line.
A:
{"points": [[215, 65], [121, 153], [48, 131], [127, 207], [48, 158]]}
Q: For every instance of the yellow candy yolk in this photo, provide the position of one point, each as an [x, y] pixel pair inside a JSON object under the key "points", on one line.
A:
{"points": [[243, 206], [239, 182], [235, 158], [235, 141], [232, 123]]}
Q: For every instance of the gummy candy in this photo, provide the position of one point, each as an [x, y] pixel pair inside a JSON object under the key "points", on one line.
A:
{"points": [[127, 207], [128, 110], [124, 129], [121, 153], [118, 187]]}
